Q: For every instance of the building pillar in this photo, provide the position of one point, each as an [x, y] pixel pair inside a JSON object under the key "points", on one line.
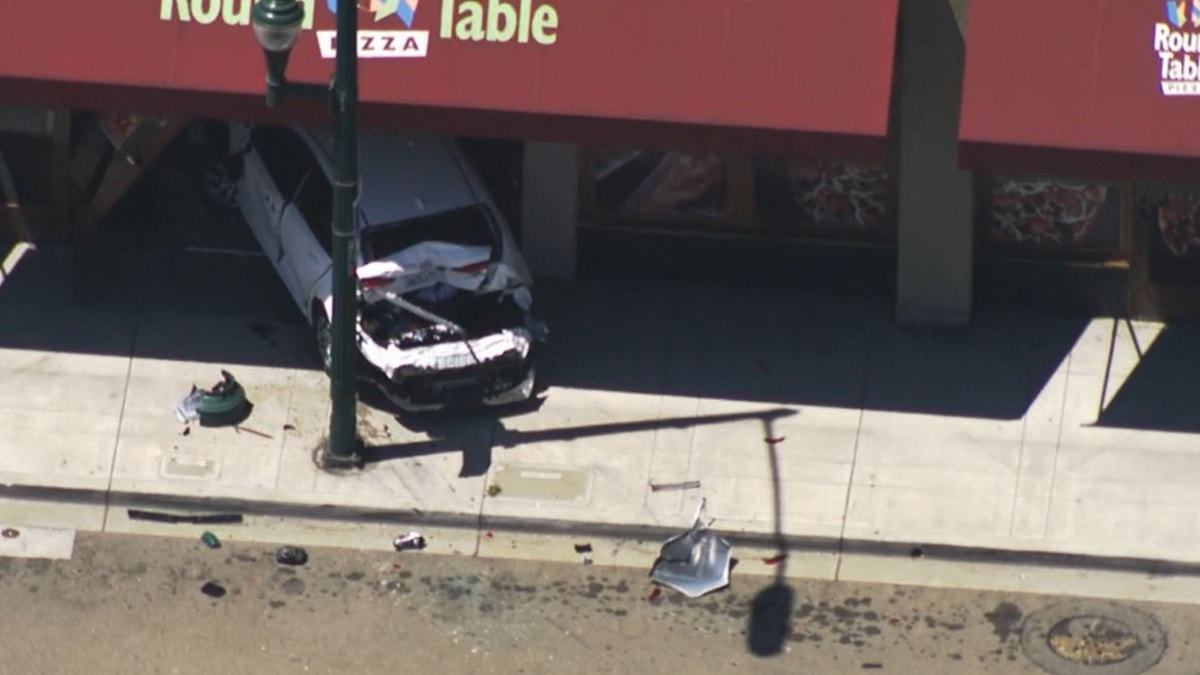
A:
{"points": [[935, 211], [549, 209]]}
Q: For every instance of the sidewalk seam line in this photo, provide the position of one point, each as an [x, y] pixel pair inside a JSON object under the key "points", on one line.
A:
{"points": [[862, 412], [1012, 514], [283, 437], [112, 462], [483, 485], [1062, 420], [687, 470]]}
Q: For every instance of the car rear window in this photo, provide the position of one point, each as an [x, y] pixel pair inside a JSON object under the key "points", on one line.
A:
{"points": [[470, 226]]}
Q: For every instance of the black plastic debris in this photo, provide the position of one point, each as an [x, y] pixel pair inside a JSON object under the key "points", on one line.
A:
{"points": [[213, 590], [223, 405], [683, 485], [694, 563], [410, 541], [291, 555], [583, 548]]}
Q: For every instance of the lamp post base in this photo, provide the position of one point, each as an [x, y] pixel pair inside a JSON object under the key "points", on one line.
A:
{"points": [[331, 462]]}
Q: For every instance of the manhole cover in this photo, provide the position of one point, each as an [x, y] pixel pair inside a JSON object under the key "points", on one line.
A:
{"points": [[1093, 640], [1091, 637]]}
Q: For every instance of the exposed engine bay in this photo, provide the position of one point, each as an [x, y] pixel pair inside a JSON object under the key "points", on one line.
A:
{"points": [[438, 306]]}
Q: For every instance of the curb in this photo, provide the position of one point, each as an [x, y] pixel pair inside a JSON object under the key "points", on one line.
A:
{"points": [[555, 527]]}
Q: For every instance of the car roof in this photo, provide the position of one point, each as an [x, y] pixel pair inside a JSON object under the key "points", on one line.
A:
{"points": [[405, 176]]}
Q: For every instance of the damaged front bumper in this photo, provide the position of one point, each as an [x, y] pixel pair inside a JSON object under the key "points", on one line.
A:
{"points": [[417, 309], [505, 380], [491, 370]]}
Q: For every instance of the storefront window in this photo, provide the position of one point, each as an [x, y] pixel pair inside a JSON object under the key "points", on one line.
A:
{"points": [[769, 195], [1171, 213], [670, 184], [838, 199], [1052, 216]]}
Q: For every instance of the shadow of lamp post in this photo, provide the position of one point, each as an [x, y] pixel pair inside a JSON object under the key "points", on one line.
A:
{"points": [[276, 27]]}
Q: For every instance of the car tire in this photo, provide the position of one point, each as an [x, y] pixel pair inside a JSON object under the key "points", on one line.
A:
{"points": [[323, 334], [220, 183]]}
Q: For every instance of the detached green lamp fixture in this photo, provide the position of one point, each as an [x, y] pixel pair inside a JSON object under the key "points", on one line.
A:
{"points": [[277, 25]]}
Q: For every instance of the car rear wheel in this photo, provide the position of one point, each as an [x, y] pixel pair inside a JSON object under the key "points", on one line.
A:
{"points": [[324, 338]]}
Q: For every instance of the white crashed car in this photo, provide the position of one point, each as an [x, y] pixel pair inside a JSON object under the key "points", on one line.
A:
{"points": [[444, 304]]}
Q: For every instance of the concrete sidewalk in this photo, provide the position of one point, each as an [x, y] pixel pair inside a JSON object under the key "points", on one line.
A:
{"points": [[1030, 433]]}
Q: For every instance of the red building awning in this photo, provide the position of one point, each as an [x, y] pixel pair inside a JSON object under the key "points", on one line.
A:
{"points": [[1109, 88], [815, 74]]}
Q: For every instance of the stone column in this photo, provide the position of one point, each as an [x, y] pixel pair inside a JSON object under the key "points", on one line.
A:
{"points": [[935, 238], [549, 209]]}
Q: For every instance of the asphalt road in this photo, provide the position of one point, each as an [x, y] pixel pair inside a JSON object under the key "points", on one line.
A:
{"points": [[126, 604]]}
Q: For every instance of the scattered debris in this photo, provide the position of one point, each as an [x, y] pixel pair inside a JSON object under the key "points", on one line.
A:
{"points": [[493, 490], [186, 430], [291, 555], [223, 405], [239, 429], [696, 562], [488, 534], [213, 590], [583, 550], [915, 553], [10, 533], [775, 559], [210, 540], [774, 439], [188, 408], [175, 519], [684, 485], [654, 593], [289, 427], [410, 541]]}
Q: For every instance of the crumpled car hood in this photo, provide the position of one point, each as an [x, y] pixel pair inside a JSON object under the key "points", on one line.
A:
{"points": [[429, 263], [432, 262], [427, 270]]}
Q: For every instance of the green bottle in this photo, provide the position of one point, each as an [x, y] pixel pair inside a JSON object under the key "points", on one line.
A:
{"points": [[210, 540]]}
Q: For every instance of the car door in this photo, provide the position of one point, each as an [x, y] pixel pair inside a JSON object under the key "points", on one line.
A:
{"points": [[307, 235], [256, 191], [275, 165]]}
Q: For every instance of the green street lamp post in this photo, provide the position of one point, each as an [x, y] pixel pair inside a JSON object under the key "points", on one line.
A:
{"points": [[276, 26]]}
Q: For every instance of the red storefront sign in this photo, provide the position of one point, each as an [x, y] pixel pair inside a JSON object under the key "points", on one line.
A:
{"points": [[821, 68], [1090, 87]]}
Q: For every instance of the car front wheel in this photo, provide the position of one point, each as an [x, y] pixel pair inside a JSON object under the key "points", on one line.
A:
{"points": [[324, 336]]}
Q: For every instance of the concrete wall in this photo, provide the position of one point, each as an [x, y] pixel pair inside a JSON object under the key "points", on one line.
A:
{"points": [[549, 208], [935, 239]]}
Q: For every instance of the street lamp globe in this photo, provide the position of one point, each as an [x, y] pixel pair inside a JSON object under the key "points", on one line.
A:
{"points": [[277, 23]]}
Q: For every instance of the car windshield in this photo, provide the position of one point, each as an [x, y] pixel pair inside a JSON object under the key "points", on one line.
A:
{"points": [[469, 226]]}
